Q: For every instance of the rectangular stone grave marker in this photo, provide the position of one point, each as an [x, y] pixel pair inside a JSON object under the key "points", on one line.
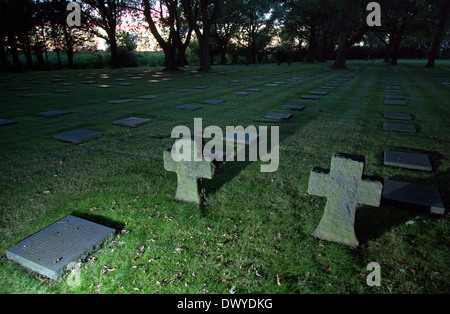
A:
{"points": [[254, 90], [241, 93], [414, 194], [123, 101], [318, 93], [184, 90], [308, 97], [189, 107], [53, 113], [62, 91], [50, 251], [392, 87], [30, 95], [399, 127], [272, 85], [407, 160], [6, 122], [392, 102], [147, 97], [344, 187], [200, 87], [397, 116], [293, 107], [132, 122], [395, 97], [78, 136], [213, 101], [125, 84], [279, 116]]}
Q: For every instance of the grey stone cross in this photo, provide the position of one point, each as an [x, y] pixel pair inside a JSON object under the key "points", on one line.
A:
{"points": [[189, 172], [344, 188]]}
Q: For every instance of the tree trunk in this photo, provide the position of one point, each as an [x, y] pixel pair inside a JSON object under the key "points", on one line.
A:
{"points": [[395, 51], [311, 54], [205, 61], [14, 52], [114, 55], [438, 36], [170, 58], [341, 53]]}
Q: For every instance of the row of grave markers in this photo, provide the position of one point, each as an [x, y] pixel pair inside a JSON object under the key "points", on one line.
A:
{"points": [[402, 191]]}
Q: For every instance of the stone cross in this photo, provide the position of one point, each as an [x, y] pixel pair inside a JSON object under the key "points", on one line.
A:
{"points": [[189, 172], [344, 188]]}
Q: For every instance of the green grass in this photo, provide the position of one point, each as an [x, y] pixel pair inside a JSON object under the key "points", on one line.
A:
{"points": [[254, 233]]}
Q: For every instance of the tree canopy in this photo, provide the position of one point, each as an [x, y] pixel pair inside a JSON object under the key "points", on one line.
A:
{"points": [[224, 31]]}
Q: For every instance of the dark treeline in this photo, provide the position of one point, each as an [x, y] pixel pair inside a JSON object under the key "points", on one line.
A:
{"points": [[225, 31]]}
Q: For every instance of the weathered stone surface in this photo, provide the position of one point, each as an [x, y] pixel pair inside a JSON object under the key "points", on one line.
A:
{"points": [[78, 136], [53, 113], [407, 160], [314, 92], [293, 107], [147, 97], [189, 171], [122, 101], [213, 101], [50, 251], [392, 102], [395, 97], [278, 116], [254, 90], [414, 194], [344, 188], [308, 97], [241, 93], [189, 107], [132, 122], [397, 127], [6, 122], [397, 116]]}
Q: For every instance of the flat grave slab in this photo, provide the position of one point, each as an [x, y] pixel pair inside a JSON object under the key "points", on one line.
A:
{"points": [[279, 116], [237, 137], [77, 136], [241, 93], [407, 160], [89, 82], [397, 116], [189, 107], [392, 87], [392, 102], [328, 87], [53, 113], [414, 194], [393, 91], [62, 91], [254, 90], [104, 86], [271, 85], [213, 101], [310, 97], [19, 89], [30, 95], [314, 92], [123, 101], [332, 85], [184, 90], [398, 127], [293, 107], [6, 122], [125, 84], [50, 251], [132, 122], [147, 97], [200, 87], [396, 97]]}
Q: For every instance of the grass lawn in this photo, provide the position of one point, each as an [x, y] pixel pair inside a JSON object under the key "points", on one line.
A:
{"points": [[254, 234]]}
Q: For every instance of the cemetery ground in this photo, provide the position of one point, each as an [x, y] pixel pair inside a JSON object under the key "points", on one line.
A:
{"points": [[254, 233]]}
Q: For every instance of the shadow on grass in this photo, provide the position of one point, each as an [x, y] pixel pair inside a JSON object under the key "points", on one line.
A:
{"points": [[101, 220]]}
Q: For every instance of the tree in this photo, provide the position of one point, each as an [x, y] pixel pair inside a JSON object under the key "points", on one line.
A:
{"points": [[106, 15], [443, 7], [304, 20], [348, 17], [201, 14], [168, 17]]}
